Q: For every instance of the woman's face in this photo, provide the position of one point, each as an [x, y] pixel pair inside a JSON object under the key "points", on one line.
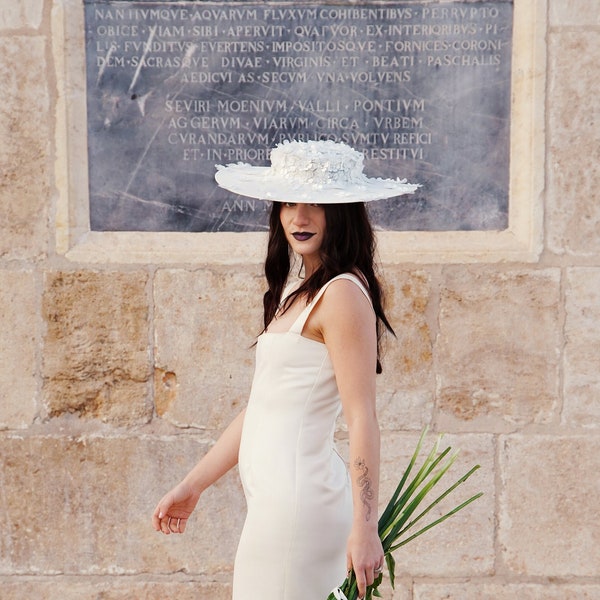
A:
{"points": [[304, 226]]}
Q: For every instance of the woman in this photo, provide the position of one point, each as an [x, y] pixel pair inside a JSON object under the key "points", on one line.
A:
{"points": [[308, 520]]}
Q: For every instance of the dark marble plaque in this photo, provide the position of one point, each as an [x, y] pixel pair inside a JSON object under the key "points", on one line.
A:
{"points": [[173, 88]]}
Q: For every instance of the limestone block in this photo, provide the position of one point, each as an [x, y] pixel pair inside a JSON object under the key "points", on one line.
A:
{"points": [[463, 545], [548, 517], [206, 323], [498, 348], [20, 329], [403, 409], [113, 588], [481, 590], [574, 142], [83, 504], [24, 13], [569, 13], [96, 360], [582, 349], [404, 389], [401, 590], [24, 146]]}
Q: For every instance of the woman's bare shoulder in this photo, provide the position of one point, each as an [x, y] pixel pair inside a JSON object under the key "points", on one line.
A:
{"points": [[345, 298], [347, 288]]}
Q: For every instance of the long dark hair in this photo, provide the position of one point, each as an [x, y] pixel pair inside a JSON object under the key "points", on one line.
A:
{"points": [[348, 247]]}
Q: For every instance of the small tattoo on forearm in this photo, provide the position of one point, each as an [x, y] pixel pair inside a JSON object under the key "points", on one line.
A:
{"points": [[365, 485]]}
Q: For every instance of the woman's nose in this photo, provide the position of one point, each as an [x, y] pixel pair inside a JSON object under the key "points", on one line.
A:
{"points": [[301, 215]]}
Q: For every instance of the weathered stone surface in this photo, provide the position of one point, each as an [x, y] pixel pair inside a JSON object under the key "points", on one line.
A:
{"points": [[404, 390], [206, 322], [548, 521], [24, 13], [20, 331], [582, 349], [481, 590], [403, 409], [96, 349], [498, 348], [567, 13], [82, 505], [24, 133], [574, 142], [464, 544], [401, 591], [112, 588]]}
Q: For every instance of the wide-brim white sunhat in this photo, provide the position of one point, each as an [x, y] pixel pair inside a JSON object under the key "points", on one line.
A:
{"points": [[323, 172]]}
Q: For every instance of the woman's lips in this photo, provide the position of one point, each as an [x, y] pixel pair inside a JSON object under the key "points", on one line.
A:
{"points": [[302, 236]]}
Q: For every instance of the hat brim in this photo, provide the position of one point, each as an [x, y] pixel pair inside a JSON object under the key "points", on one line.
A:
{"points": [[260, 183]]}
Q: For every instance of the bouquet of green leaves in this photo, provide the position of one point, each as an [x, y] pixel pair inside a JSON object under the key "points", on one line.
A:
{"points": [[404, 511]]}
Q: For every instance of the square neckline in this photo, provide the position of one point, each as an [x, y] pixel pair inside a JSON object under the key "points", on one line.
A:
{"points": [[306, 311]]}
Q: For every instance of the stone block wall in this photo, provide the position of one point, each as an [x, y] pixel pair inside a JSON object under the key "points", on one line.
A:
{"points": [[115, 378]]}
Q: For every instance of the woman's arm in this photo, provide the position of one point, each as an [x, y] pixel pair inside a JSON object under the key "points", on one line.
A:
{"points": [[347, 323], [172, 512]]}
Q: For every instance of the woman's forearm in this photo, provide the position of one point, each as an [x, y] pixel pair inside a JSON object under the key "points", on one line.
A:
{"points": [[222, 457], [364, 552], [364, 469]]}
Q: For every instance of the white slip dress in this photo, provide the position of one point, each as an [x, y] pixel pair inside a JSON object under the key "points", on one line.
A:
{"points": [[297, 487]]}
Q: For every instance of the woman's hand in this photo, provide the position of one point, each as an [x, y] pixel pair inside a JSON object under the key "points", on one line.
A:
{"points": [[172, 512], [365, 557]]}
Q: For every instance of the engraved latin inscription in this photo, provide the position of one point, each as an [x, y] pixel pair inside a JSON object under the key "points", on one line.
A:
{"points": [[423, 90]]}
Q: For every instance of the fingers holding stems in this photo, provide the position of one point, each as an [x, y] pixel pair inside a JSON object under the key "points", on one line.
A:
{"points": [[365, 577]]}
